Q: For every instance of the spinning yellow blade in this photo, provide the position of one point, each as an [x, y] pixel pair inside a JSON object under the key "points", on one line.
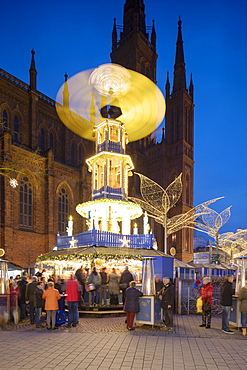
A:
{"points": [[81, 98]]}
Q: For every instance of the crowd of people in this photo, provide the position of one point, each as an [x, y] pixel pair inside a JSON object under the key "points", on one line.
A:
{"points": [[39, 295], [35, 295]]}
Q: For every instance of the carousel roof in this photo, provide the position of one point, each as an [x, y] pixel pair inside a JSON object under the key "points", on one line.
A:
{"points": [[124, 251]]}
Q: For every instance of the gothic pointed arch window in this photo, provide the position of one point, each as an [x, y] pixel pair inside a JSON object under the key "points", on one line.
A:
{"points": [[148, 71], [16, 129], [73, 153], [26, 202], [173, 126], [177, 125], [63, 210], [143, 67], [187, 180], [5, 119], [42, 140], [51, 141], [80, 154]]}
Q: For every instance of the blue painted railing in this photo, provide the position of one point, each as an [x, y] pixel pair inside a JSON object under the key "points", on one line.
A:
{"points": [[106, 239]]}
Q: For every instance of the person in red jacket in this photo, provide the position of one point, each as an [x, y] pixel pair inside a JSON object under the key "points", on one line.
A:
{"points": [[207, 292], [72, 291], [51, 297]]}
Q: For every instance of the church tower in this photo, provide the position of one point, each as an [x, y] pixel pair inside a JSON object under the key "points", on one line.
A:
{"points": [[134, 47], [179, 131]]}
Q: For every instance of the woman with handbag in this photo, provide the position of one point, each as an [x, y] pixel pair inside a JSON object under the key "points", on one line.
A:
{"points": [[207, 292], [94, 281]]}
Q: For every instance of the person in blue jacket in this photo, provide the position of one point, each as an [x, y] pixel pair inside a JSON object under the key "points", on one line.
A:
{"points": [[131, 304]]}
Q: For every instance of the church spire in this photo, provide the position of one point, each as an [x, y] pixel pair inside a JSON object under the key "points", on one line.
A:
{"points": [[114, 36], [191, 88], [134, 48], [66, 93], [134, 17], [167, 87], [179, 83], [33, 73], [153, 36]]}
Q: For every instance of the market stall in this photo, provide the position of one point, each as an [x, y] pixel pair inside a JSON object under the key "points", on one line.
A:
{"points": [[66, 261], [235, 315]]}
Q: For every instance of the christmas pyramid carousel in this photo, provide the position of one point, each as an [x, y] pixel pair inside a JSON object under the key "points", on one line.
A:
{"points": [[111, 106]]}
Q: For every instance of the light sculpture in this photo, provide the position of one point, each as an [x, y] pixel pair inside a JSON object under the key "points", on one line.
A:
{"points": [[157, 202], [234, 244], [211, 222]]}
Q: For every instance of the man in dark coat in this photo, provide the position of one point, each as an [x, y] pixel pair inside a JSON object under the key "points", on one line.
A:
{"points": [[30, 291], [226, 302], [125, 279], [158, 284], [102, 288], [81, 277], [167, 302], [131, 305], [22, 285], [38, 302]]}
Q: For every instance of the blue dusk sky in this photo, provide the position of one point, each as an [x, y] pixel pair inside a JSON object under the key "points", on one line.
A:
{"points": [[71, 36]]}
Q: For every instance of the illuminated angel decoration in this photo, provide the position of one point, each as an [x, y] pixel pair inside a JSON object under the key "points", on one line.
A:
{"points": [[157, 202]]}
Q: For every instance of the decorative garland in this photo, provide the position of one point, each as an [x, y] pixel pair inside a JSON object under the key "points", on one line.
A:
{"points": [[84, 257]]}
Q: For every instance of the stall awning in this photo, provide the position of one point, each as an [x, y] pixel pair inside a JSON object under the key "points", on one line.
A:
{"points": [[75, 253]]}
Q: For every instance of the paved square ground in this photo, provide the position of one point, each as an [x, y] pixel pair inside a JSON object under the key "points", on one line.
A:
{"points": [[105, 343]]}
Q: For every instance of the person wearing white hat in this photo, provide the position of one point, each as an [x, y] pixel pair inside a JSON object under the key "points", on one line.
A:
{"points": [[207, 292]]}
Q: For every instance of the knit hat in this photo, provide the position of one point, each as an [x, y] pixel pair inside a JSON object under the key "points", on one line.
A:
{"points": [[206, 280]]}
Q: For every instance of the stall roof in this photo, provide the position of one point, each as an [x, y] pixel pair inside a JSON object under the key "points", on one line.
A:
{"points": [[11, 265], [104, 251], [210, 265], [229, 267], [178, 263]]}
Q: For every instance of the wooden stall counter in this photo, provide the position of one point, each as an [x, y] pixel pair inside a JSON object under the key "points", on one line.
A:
{"points": [[235, 315]]}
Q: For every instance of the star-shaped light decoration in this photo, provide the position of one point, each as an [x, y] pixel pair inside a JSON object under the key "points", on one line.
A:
{"points": [[125, 242], [73, 242], [13, 183]]}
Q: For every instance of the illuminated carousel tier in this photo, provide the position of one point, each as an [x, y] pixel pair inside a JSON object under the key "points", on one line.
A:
{"points": [[87, 97], [109, 215], [109, 208]]}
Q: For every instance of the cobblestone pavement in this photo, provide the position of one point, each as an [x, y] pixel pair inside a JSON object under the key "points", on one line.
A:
{"points": [[184, 325], [105, 343]]}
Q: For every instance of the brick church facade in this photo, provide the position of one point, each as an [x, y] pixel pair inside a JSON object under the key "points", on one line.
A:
{"points": [[48, 160]]}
